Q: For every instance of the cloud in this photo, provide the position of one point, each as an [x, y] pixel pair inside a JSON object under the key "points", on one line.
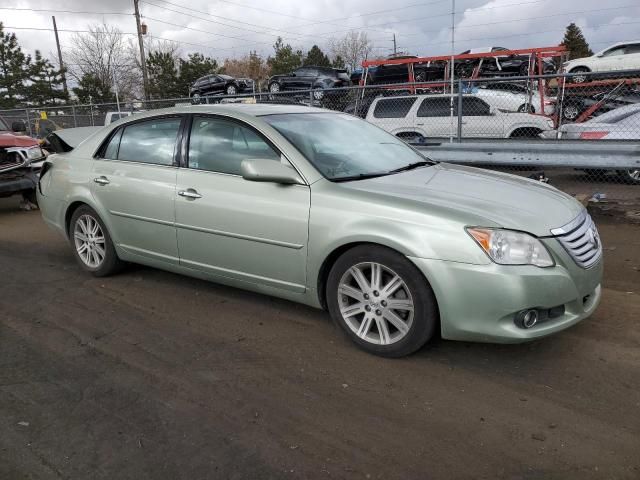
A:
{"points": [[423, 29]]}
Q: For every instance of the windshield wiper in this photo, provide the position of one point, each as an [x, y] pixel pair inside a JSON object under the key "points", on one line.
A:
{"points": [[411, 166], [360, 176]]}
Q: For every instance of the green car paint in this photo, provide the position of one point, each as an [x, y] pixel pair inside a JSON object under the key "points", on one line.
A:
{"points": [[278, 239]]}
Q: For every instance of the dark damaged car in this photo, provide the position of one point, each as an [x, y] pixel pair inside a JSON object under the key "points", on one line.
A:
{"points": [[20, 161]]}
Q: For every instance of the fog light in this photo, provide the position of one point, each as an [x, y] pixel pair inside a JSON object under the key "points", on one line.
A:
{"points": [[527, 318]]}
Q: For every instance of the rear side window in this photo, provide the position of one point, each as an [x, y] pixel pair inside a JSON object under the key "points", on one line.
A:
{"points": [[437, 107], [393, 107], [633, 48], [111, 152], [152, 141]]}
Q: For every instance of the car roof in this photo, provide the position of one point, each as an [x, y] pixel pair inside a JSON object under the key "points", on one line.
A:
{"points": [[250, 109]]}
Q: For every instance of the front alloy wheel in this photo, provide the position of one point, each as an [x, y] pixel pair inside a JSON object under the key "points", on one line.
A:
{"points": [[318, 94], [232, 90], [631, 175], [381, 301]]}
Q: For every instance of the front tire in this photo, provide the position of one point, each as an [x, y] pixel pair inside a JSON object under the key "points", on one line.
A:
{"points": [[630, 176], [91, 242], [580, 75], [381, 301], [231, 90]]}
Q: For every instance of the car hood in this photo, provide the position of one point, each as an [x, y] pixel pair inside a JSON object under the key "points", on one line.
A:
{"points": [[11, 140], [494, 199]]}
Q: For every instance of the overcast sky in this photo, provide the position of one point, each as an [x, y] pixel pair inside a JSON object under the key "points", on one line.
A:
{"points": [[228, 28]]}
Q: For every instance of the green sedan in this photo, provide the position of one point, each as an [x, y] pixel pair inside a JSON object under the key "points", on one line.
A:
{"points": [[323, 208]]}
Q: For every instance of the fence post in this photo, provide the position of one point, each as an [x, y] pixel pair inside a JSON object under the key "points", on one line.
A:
{"points": [[311, 97], [29, 123], [93, 124], [75, 120], [459, 136]]}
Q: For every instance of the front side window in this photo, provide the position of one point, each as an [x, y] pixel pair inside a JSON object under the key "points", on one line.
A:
{"points": [[393, 107], [633, 48], [111, 152], [220, 145], [614, 51], [341, 146], [474, 107], [151, 141]]}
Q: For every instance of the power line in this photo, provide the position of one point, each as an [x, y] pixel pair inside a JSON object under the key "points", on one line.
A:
{"points": [[49, 10]]}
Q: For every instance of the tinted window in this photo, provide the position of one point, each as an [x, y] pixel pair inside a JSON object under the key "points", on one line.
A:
{"points": [[393, 107], [111, 151], [472, 106], [153, 141], [633, 48], [437, 107], [220, 145]]}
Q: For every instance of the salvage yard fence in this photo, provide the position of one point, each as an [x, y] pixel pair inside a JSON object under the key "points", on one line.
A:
{"points": [[579, 131]]}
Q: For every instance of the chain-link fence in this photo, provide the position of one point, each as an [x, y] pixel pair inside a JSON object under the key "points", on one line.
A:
{"points": [[502, 115]]}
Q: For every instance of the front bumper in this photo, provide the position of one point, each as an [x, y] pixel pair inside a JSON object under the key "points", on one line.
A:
{"points": [[479, 302]]}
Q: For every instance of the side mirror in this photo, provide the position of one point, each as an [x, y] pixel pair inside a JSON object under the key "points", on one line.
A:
{"points": [[19, 126], [263, 170]]}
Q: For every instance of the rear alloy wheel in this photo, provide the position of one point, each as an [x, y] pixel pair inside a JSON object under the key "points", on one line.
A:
{"points": [[420, 76], [381, 301], [92, 244], [318, 93], [274, 87], [580, 75], [571, 112], [231, 90], [631, 175]]}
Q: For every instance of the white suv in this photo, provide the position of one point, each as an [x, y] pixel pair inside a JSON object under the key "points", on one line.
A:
{"points": [[418, 117], [620, 56]]}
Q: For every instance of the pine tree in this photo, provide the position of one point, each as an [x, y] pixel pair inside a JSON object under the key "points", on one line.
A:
{"points": [[14, 69], [163, 76], [316, 57], [91, 89], [338, 62], [195, 66], [45, 83], [285, 59], [575, 42]]}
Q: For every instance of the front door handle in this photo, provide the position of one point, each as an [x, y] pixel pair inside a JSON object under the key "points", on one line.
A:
{"points": [[102, 180], [190, 194]]}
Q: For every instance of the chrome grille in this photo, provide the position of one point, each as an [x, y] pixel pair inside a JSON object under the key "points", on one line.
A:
{"points": [[581, 240]]}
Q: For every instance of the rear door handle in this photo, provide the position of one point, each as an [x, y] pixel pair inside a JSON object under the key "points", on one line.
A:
{"points": [[190, 194], [102, 180]]}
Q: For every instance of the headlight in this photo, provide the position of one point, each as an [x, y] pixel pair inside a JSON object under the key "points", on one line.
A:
{"points": [[507, 247], [34, 153]]}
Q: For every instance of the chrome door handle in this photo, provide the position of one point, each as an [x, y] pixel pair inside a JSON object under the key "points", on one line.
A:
{"points": [[190, 194], [101, 180]]}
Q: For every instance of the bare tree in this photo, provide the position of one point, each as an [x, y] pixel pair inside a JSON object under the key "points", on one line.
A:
{"points": [[353, 48], [103, 55], [252, 66]]}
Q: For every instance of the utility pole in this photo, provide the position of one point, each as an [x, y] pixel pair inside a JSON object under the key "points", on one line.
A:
{"points": [[143, 61], [395, 47], [63, 75]]}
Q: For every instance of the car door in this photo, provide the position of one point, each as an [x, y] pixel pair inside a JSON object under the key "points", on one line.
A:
{"points": [[612, 59], [478, 120], [632, 57], [227, 226], [135, 183], [434, 117], [304, 78]]}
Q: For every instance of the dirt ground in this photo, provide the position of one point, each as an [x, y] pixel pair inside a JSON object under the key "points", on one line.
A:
{"points": [[149, 375]]}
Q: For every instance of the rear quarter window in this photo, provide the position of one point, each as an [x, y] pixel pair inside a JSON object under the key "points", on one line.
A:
{"points": [[393, 107]]}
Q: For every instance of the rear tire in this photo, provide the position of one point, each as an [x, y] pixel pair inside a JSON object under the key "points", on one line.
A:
{"points": [[231, 90], [630, 176], [91, 243], [381, 301]]}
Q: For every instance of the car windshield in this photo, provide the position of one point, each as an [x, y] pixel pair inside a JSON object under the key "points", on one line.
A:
{"points": [[344, 147]]}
